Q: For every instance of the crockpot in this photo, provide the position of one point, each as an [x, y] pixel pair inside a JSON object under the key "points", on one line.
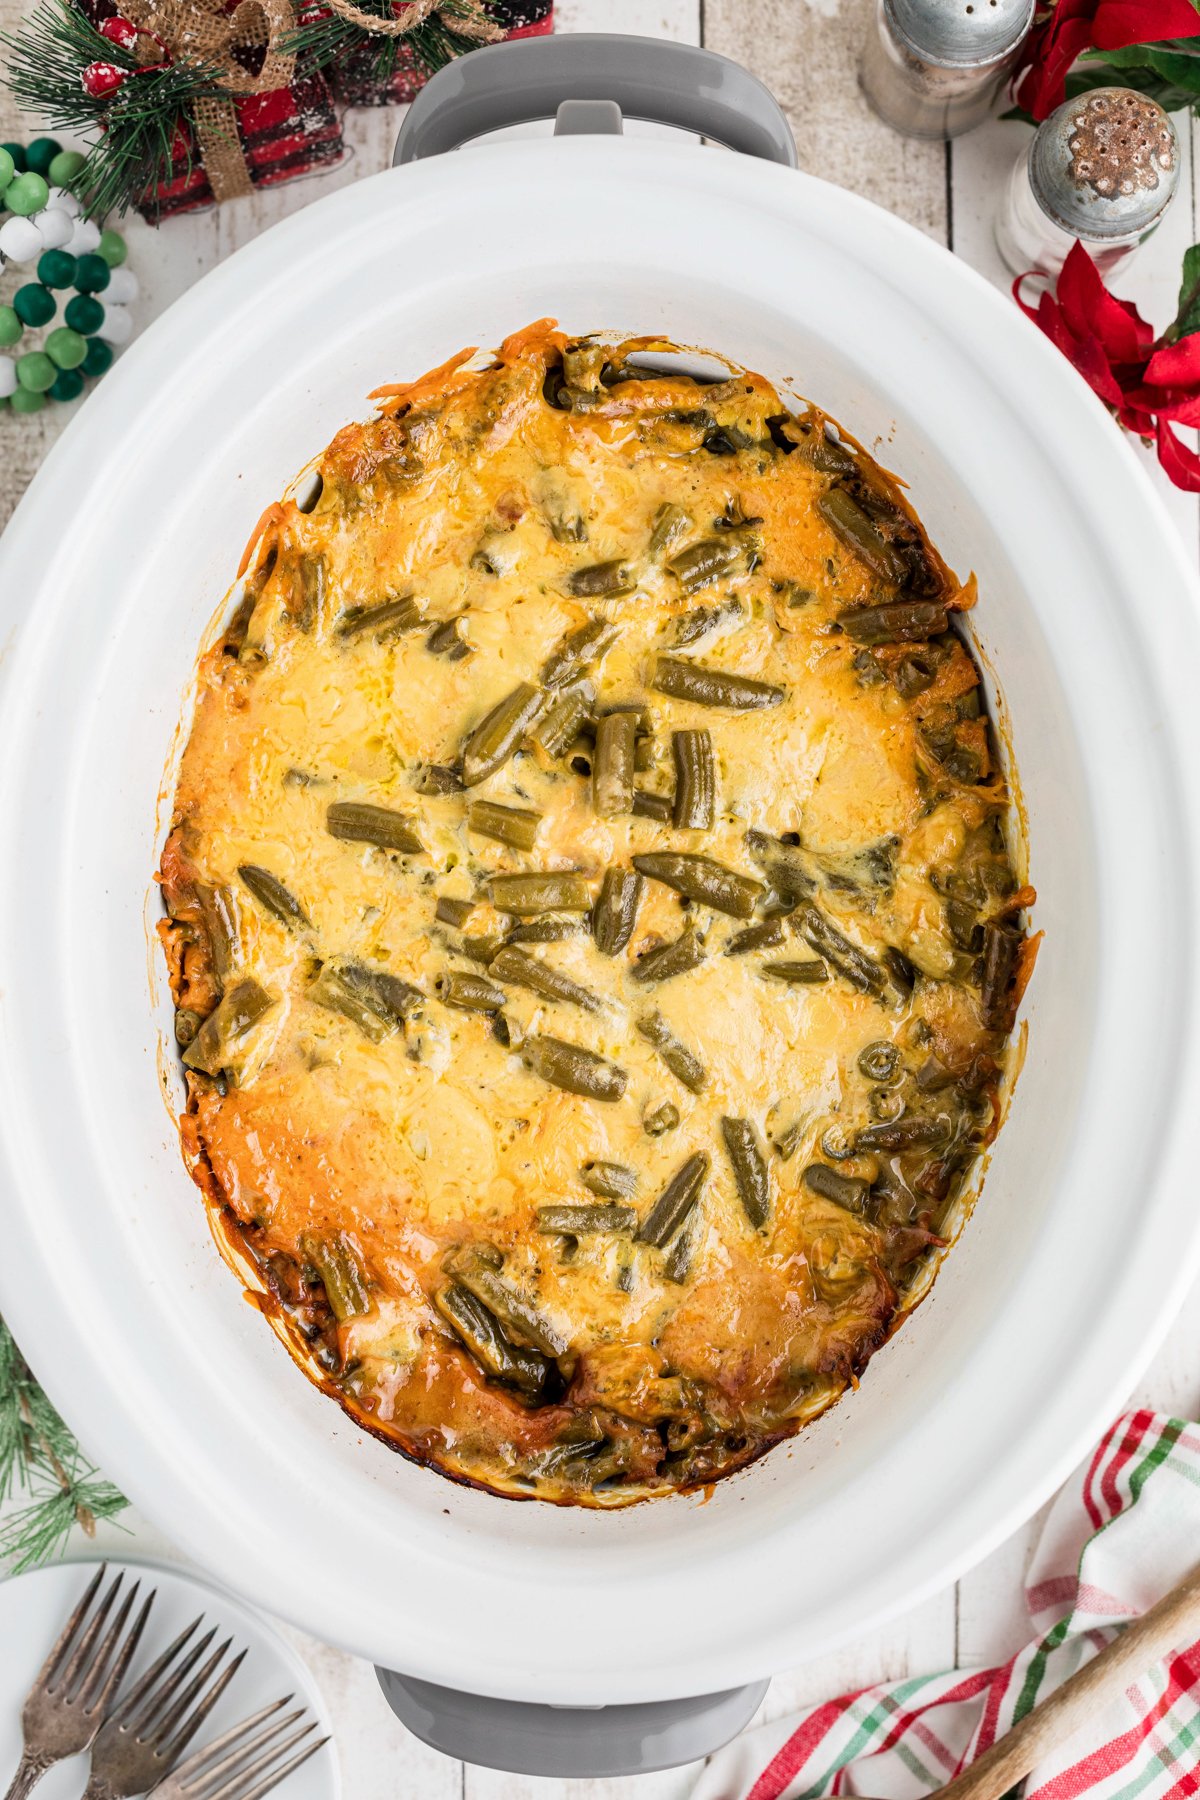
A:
{"points": [[662, 1620]]}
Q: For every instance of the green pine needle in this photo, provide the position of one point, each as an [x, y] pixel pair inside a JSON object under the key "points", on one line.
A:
{"points": [[41, 1460], [322, 38]]}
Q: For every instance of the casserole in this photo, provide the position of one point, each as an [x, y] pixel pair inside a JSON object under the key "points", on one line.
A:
{"points": [[1086, 1239]]}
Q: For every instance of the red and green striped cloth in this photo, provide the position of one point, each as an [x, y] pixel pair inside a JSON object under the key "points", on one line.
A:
{"points": [[1122, 1532]]}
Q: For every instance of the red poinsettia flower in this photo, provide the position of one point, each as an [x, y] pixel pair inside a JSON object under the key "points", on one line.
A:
{"points": [[1070, 27], [1148, 385]]}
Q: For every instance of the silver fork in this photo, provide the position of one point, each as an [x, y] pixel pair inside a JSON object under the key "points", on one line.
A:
{"points": [[69, 1698], [144, 1737], [244, 1764]]}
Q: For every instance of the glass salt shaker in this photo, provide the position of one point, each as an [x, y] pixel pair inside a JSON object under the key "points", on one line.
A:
{"points": [[933, 68], [1103, 169]]}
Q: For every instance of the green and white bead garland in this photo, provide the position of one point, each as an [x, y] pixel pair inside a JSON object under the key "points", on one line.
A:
{"points": [[43, 225]]}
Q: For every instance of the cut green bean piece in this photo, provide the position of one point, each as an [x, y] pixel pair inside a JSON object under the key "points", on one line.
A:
{"points": [[473, 993], [481, 1332], [518, 969], [797, 974], [498, 735], [661, 1119], [271, 894], [449, 639], [579, 651], [681, 1061], [481, 947], [612, 767], [854, 964], [437, 778], [562, 513], [1001, 950], [219, 911], [615, 912], [187, 1024], [611, 1180], [571, 1067], [538, 893], [684, 679], [515, 825], [879, 1061], [913, 1131], [588, 1221], [219, 1041], [308, 591], [355, 822], [370, 998], [692, 626], [701, 879], [671, 524], [606, 580], [676, 1201], [704, 562], [453, 912], [848, 1191], [749, 1167], [653, 806], [338, 1264], [695, 780], [851, 524], [546, 929], [756, 937], [475, 1266], [563, 719], [788, 868], [676, 958], [901, 622], [387, 619], [677, 1264]]}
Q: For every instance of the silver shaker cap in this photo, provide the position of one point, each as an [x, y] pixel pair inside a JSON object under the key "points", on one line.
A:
{"points": [[1105, 165], [960, 33]]}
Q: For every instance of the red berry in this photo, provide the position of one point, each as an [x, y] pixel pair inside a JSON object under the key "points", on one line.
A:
{"points": [[119, 31], [100, 79]]}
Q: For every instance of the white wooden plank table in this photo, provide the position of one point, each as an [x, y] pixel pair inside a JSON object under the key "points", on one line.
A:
{"points": [[806, 51]]}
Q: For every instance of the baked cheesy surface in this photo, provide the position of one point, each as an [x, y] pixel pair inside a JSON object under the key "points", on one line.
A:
{"points": [[593, 932]]}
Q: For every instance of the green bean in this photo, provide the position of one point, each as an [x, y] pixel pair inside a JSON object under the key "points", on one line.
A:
{"points": [[539, 893], [900, 622], [756, 937], [652, 806], [338, 1264], [848, 1191], [606, 580], [899, 971], [879, 1061], [677, 1264], [704, 562], [187, 1024], [449, 639], [219, 1039], [588, 1221], [854, 964], [518, 969], [515, 825], [573, 1068], [676, 1201], [701, 879], [789, 1141], [852, 525], [436, 778], [499, 733], [661, 1119], [387, 619], [615, 912], [797, 974], [482, 947], [692, 626], [480, 1331], [219, 911], [563, 719], [611, 1180], [824, 454], [308, 591], [612, 767], [908, 1133], [788, 868], [685, 679], [475, 1267], [355, 822], [679, 1059], [545, 930], [370, 998], [473, 993], [676, 958], [749, 1167], [270, 893], [933, 1076], [453, 912], [563, 516], [579, 651], [695, 780], [1001, 948], [670, 524]]}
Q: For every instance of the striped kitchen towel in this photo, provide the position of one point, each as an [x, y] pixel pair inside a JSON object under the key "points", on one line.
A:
{"points": [[1122, 1532]]}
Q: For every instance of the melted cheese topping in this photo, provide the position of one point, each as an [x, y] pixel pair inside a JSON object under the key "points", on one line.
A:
{"points": [[378, 1174]]}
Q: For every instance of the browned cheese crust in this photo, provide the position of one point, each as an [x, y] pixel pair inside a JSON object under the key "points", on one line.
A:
{"points": [[380, 1111]]}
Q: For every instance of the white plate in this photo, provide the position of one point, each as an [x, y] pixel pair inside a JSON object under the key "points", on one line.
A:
{"points": [[35, 1607]]}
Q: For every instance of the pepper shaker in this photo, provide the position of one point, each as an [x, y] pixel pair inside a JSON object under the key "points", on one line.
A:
{"points": [[933, 68], [1103, 169]]}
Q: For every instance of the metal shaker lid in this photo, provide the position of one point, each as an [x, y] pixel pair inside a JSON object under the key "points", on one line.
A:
{"points": [[960, 33], [1105, 165]]}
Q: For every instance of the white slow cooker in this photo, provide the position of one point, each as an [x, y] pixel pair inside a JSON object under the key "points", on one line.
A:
{"points": [[1087, 1231]]}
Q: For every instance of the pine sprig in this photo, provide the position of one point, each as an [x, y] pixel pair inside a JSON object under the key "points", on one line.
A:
{"points": [[40, 1458], [131, 134], [322, 37]]}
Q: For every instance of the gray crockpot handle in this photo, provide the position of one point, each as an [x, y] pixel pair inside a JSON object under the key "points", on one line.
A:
{"points": [[588, 80]]}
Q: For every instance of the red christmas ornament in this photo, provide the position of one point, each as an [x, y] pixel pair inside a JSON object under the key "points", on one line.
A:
{"points": [[100, 79], [119, 31]]}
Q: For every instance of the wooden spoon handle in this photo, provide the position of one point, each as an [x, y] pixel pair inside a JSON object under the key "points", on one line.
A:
{"points": [[1175, 1620]]}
